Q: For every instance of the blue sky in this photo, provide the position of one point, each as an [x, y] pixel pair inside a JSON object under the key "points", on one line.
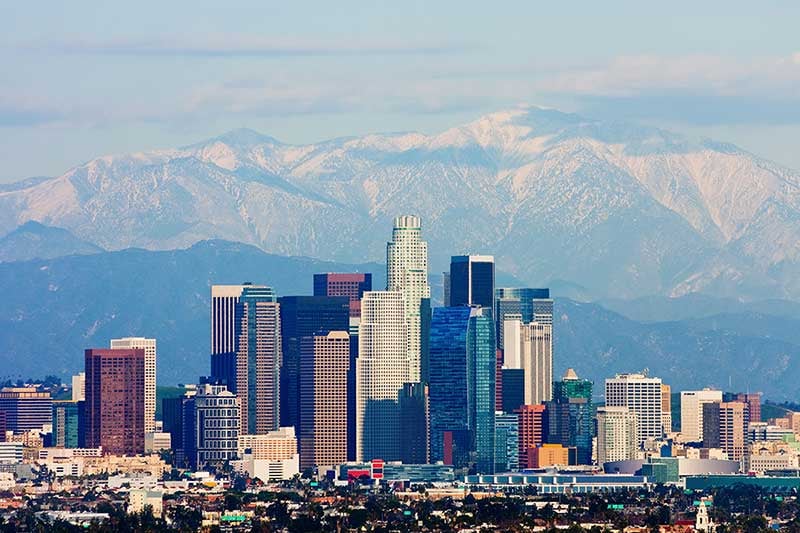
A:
{"points": [[82, 79]]}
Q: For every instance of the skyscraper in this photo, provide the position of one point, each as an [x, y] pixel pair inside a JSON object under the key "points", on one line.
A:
{"points": [[414, 428], [725, 426], [304, 316], [571, 415], [448, 377], [258, 358], [352, 285], [692, 412], [481, 370], [26, 408], [67, 424], [381, 371], [506, 435], [115, 400], [462, 382], [216, 425], [149, 347], [224, 300], [407, 273], [532, 432], [617, 438], [524, 304], [530, 347], [472, 281], [666, 408], [324, 365], [642, 395]]}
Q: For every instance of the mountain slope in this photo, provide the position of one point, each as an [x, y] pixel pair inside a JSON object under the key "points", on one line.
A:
{"points": [[35, 241], [621, 210], [54, 309]]}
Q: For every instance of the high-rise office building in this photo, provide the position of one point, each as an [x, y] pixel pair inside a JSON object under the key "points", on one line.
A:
{"points": [[692, 412], [530, 347], [448, 377], [407, 273], [725, 426], [26, 408], [617, 438], [446, 289], [571, 415], [462, 375], [524, 304], [67, 424], [216, 424], [414, 428], [258, 359], [301, 317], [149, 347], [666, 408], [172, 418], [481, 369], [506, 440], [224, 299], [752, 399], [114, 408], [324, 365], [472, 281], [513, 389], [381, 371], [642, 395], [352, 285], [532, 422], [79, 387]]}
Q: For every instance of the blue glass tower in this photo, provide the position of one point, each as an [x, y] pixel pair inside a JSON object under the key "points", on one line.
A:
{"points": [[462, 386], [448, 376]]}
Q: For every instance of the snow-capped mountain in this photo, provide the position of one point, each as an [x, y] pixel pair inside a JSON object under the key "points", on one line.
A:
{"points": [[620, 209]]}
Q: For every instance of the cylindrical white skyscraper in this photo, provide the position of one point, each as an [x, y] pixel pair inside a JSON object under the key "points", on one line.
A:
{"points": [[407, 273]]}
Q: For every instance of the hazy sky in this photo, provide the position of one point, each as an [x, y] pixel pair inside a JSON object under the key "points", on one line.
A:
{"points": [[82, 79]]}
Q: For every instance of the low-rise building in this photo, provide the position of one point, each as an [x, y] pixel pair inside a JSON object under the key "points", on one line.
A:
{"points": [[141, 499]]}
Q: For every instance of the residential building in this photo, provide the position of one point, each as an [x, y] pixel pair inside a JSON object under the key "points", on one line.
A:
{"points": [[149, 346], [301, 318], [114, 408], [407, 273], [617, 434], [642, 395], [381, 371], [26, 408], [258, 359], [692, 412], [140, 500], [324, 366]]}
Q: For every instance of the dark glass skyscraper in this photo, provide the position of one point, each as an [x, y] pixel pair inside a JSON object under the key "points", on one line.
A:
{"points": [[462, 385], [448, 376], [571, 414], [472, 280], [304, 316]]}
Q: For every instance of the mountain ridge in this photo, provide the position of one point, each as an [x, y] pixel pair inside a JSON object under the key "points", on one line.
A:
{"points": [[621, 209]]}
